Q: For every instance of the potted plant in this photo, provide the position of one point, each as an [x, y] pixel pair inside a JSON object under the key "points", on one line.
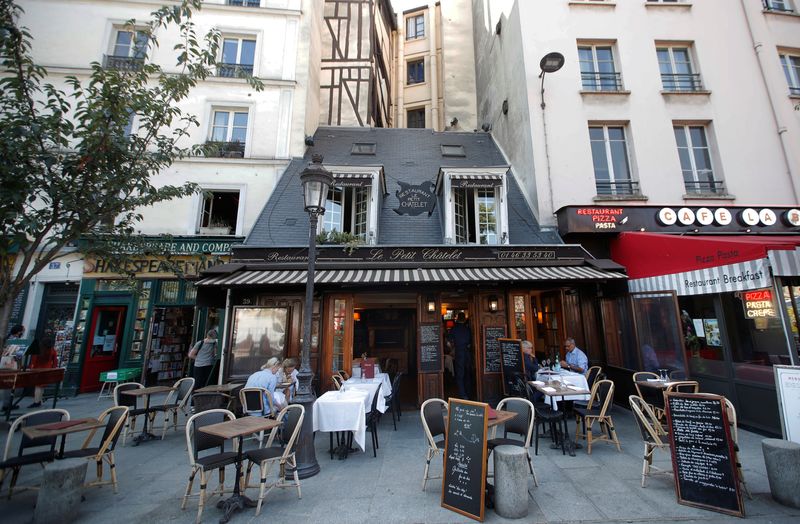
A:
{"points": [[348, 240], [216, 228]]}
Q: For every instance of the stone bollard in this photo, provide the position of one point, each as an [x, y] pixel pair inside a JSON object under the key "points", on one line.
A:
{"points": [[782, 458], [61, 490], [510, 482]]}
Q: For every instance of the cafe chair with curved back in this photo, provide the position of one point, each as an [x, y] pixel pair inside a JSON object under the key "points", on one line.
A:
{"points": [[732, 421], [291, 418], [130, 402], [653, 435], [344, 375], [23, 457], [197, 442], [393, 399], [254, 405], [642, 376], [176, 401], [653, 396], [373, 417], [544, 417], [433, 413], [683, 386], [603, 394], [115, 418], [592, 375], [210, 400], [337, 382], [521, 425]]}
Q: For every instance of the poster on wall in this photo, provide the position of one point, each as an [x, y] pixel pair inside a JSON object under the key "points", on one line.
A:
{"points": [[711, 329], [787, 383]]}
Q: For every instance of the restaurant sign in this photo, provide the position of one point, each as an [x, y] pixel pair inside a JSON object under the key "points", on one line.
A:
{"points": [[415, 199], [677, 219], [758, 304], [151, 267]]}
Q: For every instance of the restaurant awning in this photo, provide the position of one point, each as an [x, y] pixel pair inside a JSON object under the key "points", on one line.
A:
{"points": [[367, 276], [476, 180]]}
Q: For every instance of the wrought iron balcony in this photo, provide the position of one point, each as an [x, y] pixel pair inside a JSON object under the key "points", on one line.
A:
{"points": [[123, 63], [234, 70], [782, 7], [680, 82], [244, 3], [707, 186], [617, 187], [597, 81], [216, 149]]}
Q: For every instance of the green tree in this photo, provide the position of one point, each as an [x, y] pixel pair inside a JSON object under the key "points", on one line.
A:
{"points": [[69, 170]]}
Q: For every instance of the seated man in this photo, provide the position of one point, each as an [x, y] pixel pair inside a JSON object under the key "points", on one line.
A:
{"points": [[575, 359], [267, 378]]}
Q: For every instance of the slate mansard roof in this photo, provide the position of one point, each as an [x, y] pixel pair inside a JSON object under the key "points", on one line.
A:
{"points": [[413, 156]]}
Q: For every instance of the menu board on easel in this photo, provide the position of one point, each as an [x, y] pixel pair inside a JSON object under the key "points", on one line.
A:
{"points": [[703, 457], [492, 359], [512, 366], [464, 476], [430, 348]]}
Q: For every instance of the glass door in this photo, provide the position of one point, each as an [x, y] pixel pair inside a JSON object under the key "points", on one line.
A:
{"points": [[338, 336]]}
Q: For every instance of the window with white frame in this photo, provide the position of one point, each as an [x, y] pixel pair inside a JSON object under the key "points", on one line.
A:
{"points": [[695, 155], [791, 68], [219, 212], [784, 6], [415, 26], [677, 71], [474, 206], [610, 156], [128, 49], [238, 56], [229, 131], [598, 71], [347, 211]]}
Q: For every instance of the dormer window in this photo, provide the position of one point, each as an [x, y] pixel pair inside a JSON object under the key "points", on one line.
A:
{"points": [[474, 205], [353, 201]]}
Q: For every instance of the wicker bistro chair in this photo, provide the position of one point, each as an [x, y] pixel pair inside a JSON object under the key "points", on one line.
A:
{"points": [[176, 401], [652, 434], [197, 442], [592, 375], [257, 402], [115, 418], [652, 396], [209, 400], [521, 425], [23, 457], [393, 399], [265, 457], [683, 386], [603, 393], [343, 375], [432, 413], [337, 382], [131, 403]]}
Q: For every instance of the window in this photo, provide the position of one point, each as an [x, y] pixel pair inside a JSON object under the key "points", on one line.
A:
{"points": [[476, 215], [245, 3], [695, 157], [784, 6], [415, 118], [128, 50], [415, 27], [612, 170], [128, 129], [791, 68], [666, 1], [416, 71], [346, 211], [229, 132], [677, 73], [238, 56], [363, 148], [453, 150], [219, 213], [598, 72]]}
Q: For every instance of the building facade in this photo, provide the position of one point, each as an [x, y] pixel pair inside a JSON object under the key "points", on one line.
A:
{"points": [[657, 131]]}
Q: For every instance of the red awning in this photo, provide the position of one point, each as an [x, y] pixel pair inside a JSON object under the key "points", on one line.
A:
{"points": [[652, 254]]}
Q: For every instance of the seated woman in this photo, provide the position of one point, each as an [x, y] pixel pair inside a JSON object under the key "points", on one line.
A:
{"points": [[288, 375], [267, 378]]}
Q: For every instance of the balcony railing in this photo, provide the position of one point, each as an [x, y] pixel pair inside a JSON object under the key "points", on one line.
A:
{"points": [[596, 81], [234, 70], [781, 7], [617, 187], [707, 186], [224, 149], [794, 90], [681, 82], [244, 3], [123, 63]]}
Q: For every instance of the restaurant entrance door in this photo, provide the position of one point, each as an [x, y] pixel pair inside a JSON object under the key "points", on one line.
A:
{"points": [[102, 349]]}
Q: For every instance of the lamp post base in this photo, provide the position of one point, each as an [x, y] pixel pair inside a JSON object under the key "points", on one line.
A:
{"points": [[307, 465]]}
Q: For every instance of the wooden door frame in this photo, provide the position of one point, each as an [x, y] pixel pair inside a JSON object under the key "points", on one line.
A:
{"points": [[326, 361]]}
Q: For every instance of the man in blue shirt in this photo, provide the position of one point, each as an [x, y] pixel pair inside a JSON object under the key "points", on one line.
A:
{"points": [[267, 379], [461, 338], [575, 359]]}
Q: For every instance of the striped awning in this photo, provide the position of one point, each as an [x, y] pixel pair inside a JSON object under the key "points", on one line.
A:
{"points": [[476, 179], [743, 276], [367, 276], [352, 179], [785, 263]]}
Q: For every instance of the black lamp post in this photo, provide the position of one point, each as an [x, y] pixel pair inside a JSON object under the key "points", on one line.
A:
{"points": [[316, 181]]}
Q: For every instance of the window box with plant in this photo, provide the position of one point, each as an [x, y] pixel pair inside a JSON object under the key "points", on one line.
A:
{"points": [[334, 237]]}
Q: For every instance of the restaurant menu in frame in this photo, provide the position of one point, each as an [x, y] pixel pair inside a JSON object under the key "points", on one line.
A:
{"points": [[512, 366], [464, 477], [787, 383], [492, 359]]}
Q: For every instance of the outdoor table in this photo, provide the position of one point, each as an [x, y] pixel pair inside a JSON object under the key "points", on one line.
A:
{"points": [[569, 378], [562, 391], [62, 429], [370, 385], [654, 390], [220, 388], [15, 378], [238, 428], [342, 411], [145, 435]]}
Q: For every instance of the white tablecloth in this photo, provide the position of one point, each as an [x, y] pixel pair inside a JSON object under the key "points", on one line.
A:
{"points": [[567, 377], [371, 386], [343, 411]]}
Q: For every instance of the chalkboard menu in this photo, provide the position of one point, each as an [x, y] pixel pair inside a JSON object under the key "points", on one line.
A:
{"points": [[492, 360], [464, 479], [430, 348], [703, 457], [513, 366]]}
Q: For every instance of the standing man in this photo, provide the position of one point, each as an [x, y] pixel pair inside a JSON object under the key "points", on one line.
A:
{"points": [[575, 359], [461, 337]]}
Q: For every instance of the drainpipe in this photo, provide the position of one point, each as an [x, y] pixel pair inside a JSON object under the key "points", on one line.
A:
{"points": [[434, 61], [786, 146], [225, 342]]}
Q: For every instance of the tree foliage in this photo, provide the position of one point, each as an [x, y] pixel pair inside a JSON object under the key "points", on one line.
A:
{"points": [[68, 168]]}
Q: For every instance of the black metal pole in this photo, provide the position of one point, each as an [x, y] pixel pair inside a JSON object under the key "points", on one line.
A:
{"points": [[307, 465]]}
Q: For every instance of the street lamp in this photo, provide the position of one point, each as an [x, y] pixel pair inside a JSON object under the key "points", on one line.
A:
{"points": [[316, 181], [550, 63]]}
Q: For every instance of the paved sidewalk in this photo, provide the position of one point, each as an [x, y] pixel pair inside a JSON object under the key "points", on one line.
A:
{"points": [[601, 487]]}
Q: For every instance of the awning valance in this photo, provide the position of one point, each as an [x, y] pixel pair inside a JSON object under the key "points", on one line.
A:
{"points": [[352, 179], [465, 180], [367, 276]]}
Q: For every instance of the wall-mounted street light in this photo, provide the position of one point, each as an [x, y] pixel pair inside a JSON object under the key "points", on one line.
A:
{"points": [[550, 63]]}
